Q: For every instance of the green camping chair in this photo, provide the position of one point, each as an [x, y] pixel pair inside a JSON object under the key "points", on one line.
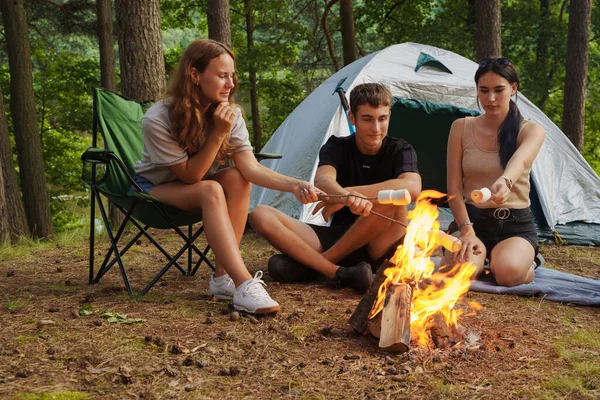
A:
{"points": [[109, 172]]}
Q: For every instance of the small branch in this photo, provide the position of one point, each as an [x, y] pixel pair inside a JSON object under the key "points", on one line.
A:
{"points": [[391, 10], [327, 34]]}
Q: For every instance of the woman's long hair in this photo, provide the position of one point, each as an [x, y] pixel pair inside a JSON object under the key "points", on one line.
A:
{"points": [[190, 124], [509, 130]]}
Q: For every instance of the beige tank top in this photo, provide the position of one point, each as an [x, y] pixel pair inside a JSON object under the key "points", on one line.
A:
{"points": [[481, 168]]}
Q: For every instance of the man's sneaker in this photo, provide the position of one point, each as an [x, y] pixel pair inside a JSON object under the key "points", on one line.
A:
{"points": [[284, 269], [358, 277], [252, 297], [222, 287]]}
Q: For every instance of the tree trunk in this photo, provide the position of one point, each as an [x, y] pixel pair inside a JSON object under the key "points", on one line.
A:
{"points": [[488, 40], [573, 123], [22, 108], [256, 126], [348, 35], [108, 77], [542, 69], [219, 25], [13, 222], [140, 49], [107, 45], [330, 47]]}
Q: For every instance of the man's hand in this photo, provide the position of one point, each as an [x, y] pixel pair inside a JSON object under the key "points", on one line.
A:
{"points": [[357, 204], [223, 120], [328, 209]]}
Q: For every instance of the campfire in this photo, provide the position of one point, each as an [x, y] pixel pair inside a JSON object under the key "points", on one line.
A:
{"points": [[410, 301]]}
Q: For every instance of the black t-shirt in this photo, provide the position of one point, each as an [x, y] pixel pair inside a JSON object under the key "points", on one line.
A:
{"points": [[354, 168]]}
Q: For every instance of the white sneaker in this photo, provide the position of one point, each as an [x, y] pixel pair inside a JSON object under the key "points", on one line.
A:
{"points": [[252, 297], [223, 288]]}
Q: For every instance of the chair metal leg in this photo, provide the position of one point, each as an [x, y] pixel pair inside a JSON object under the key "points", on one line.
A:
{"points": [[189, 268], [206, 250], [166, 267], [113, 244], [92, 232]]}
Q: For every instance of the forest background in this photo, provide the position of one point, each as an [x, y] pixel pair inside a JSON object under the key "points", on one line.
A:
{"points": [[285, 49]]}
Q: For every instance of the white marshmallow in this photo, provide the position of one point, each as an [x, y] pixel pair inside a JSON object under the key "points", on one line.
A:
{"points": [[396, 197], [481, 195]]}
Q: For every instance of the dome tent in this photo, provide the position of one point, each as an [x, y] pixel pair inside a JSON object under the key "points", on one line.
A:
{"points": [[432, 87]]}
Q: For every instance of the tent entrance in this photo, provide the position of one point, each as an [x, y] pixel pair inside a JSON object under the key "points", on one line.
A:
{"points": [[426, 127]]}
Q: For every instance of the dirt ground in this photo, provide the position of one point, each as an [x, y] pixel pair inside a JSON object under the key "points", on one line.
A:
{"points": [[62, 338]]}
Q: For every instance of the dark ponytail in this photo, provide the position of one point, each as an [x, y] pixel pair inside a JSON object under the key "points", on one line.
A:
{"points": [[508, 133]]}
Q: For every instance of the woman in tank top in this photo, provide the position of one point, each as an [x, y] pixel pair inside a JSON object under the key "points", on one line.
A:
{"points": [[197, 157], [494, 150]]}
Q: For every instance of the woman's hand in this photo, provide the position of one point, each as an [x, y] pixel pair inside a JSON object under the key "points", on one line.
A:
{"points": [[223, 119], [306, 192], [470, 245], [500, 191]]}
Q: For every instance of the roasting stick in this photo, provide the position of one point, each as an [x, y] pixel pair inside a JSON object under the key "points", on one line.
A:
{"points": [[402, 197]]}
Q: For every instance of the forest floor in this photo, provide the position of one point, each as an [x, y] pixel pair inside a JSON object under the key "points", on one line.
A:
{"points": [[61, 338]]}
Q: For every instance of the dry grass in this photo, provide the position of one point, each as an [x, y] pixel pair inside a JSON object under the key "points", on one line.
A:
{"points": [[189, 346]]}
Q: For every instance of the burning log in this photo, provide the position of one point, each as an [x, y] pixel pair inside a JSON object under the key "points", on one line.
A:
{"points": [[395, 318], [409, 299], [442, 335], [359, 318]]}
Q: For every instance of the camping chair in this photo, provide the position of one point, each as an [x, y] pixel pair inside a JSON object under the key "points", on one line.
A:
{"points": [[109, 172]]}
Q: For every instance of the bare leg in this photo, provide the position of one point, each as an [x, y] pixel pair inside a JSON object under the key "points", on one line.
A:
{"points": [[237, 196], [208, 197], [511, 262], [292, 237], [374, 231]]}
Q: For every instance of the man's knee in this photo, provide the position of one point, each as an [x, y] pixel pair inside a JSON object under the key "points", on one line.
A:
{"points": [[262, 218]]}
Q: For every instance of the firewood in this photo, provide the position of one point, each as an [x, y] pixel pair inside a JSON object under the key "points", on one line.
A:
{"points": [[395, 318], [442, 335], [374, 326], [359, 318]]}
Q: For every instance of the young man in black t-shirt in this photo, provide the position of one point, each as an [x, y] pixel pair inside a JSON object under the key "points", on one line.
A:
{"points": [[362, 164]]}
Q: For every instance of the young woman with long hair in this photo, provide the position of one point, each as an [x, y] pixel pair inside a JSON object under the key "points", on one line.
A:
{"points": [[197, 157], [494, 150]]}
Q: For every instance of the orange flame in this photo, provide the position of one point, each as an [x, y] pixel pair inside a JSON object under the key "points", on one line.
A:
{"points": [[433, 292]]}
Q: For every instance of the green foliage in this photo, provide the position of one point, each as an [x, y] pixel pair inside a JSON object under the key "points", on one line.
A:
{"points": [[281, 94], [63, 86]]}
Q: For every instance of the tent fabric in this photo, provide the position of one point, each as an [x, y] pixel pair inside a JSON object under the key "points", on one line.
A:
{"points": [[567, 187], [548, 284]]}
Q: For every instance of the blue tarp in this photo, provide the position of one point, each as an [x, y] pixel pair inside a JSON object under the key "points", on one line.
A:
{"points": [[548, 284]]}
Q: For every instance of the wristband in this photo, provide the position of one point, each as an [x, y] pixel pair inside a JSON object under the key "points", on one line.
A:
{"points": [[509, 182]]}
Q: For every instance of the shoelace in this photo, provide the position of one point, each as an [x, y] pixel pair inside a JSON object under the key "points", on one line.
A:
{"points": [[254, 288]]}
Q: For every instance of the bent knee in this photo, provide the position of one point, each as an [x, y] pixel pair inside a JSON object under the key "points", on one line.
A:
{"points": [[261, 218], [210, 192], [511, 274]]}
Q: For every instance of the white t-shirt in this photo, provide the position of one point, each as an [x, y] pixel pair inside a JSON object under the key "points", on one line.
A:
{"points": [[161, 150]]}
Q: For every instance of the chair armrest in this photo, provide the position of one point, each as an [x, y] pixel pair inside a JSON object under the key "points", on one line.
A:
{"points": [[97, 155], [267, 156]]}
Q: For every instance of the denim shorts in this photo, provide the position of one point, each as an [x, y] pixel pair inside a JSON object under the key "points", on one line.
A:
{"points": [[493, 225], [142, 182]]}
